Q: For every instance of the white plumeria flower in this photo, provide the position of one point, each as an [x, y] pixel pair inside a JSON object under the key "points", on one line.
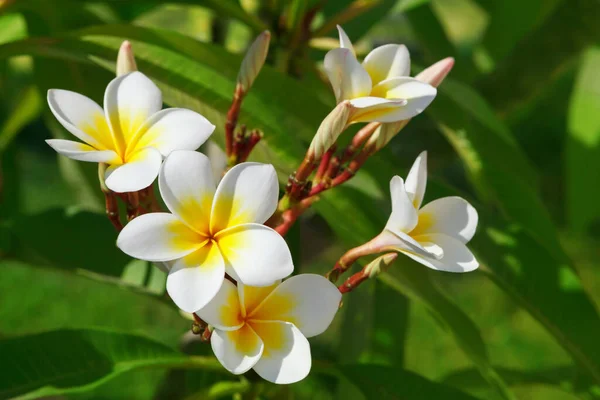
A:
{"points": [[379, 89], [212, 230], [131, 134], [266, 328], [436, 234]]}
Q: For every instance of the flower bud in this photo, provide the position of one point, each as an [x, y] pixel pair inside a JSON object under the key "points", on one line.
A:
{"points": [[435, 74], [384, 133], [380, 264], [125, 59], [254, 60], [330, 129]]}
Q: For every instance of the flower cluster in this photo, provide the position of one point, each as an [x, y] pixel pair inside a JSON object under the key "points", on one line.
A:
{"points": [[222, 244]]}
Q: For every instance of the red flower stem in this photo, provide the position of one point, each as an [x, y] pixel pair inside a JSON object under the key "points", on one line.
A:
{"points": [[232, 117], [112, 209], [345, 262], [325, 163], [133, 205], [353, 281], [358, 140]]}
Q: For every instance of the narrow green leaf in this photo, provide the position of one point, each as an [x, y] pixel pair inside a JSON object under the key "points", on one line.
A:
{"points": [[583, 146], [379, 382], [26, 108], [75, 361]]}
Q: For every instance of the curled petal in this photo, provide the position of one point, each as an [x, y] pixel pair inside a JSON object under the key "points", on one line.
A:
{"points": [[417, 94], [138, 173], [456, 256], [452, 216], [82, 152], [387, 61], [345, 42], [404, 216], [377, 109], [416, 181], [286, 355], [347, 76]]}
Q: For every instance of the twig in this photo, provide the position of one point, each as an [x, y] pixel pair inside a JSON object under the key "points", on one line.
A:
{"points": [[232, 117]]}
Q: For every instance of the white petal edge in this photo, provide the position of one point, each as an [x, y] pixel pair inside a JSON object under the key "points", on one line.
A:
{"points": [[347, 76], [345, 42], [456, 256], [224, 345], [452, 216], [286, 362], [387, 61], [74, 110], [258, 254], [376, 109], [388, 240], [248, 193], [136, 174], [174, 129], [187, 185], [82, 152], [195, 279], [157, 237], [404, 215], [309, 301], [224, 310], [416, 181], [417, 94]]}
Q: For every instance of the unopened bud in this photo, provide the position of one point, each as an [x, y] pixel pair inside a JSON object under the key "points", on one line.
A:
{"points": [[384, 133], [125, 59], [254, 60], [330, 129], [380, 264], [435, 74]]}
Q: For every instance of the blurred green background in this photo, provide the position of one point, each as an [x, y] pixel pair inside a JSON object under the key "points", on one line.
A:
{"points": [[515, 129]]}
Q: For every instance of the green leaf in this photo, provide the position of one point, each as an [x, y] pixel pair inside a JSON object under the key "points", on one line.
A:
{"points": [[583, 146], [74, 361], [379, 382], [358, 26], [27, 107]]}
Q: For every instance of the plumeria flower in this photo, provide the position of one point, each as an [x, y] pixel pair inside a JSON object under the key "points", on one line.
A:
{"points": [[131, 134], [434, 235], [379, 88], [211, 230], [266, 328]]}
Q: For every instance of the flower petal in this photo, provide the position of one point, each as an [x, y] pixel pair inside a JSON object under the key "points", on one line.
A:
{"points": [[187, 186], [252, 296], [138, 173], [416, 181], [345, 42], [173, 129], [387, 61], [158, 237], [376, 109], [347, 76], [129, 101], [238, 350], [195, 279], [286, 354], [418, 95], [248, 193], [400, 241], [82, 152], [258, 255], [308, 301], [223, 311], [82, 117], [452, 216], [404, 216], [456, 256]]}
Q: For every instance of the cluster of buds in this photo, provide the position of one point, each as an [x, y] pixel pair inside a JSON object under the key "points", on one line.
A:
{"points": [[222, 243]]}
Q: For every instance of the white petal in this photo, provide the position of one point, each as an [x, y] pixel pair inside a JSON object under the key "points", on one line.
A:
{"points": [[376, 109], [129, 101], [195, 279], [308, 301], [158, 237], [418, 95], [347, 76], [248, 193], [252, 296], [404, 216], [345, 42], [387, 61], [452, 216], [456, 256], [258, 255], [238, 350], [416, 181], [286, 355], [174, 129], [187, 187], [82, 152], [223, 311], [400, 241], [138, 173], [82, 117]]}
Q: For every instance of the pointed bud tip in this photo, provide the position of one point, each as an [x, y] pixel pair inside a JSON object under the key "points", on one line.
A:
{"points": [[125, 59], [389, 258]]}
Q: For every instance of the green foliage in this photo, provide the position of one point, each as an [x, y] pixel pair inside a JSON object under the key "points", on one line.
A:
{"points": [[536, 244]]}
